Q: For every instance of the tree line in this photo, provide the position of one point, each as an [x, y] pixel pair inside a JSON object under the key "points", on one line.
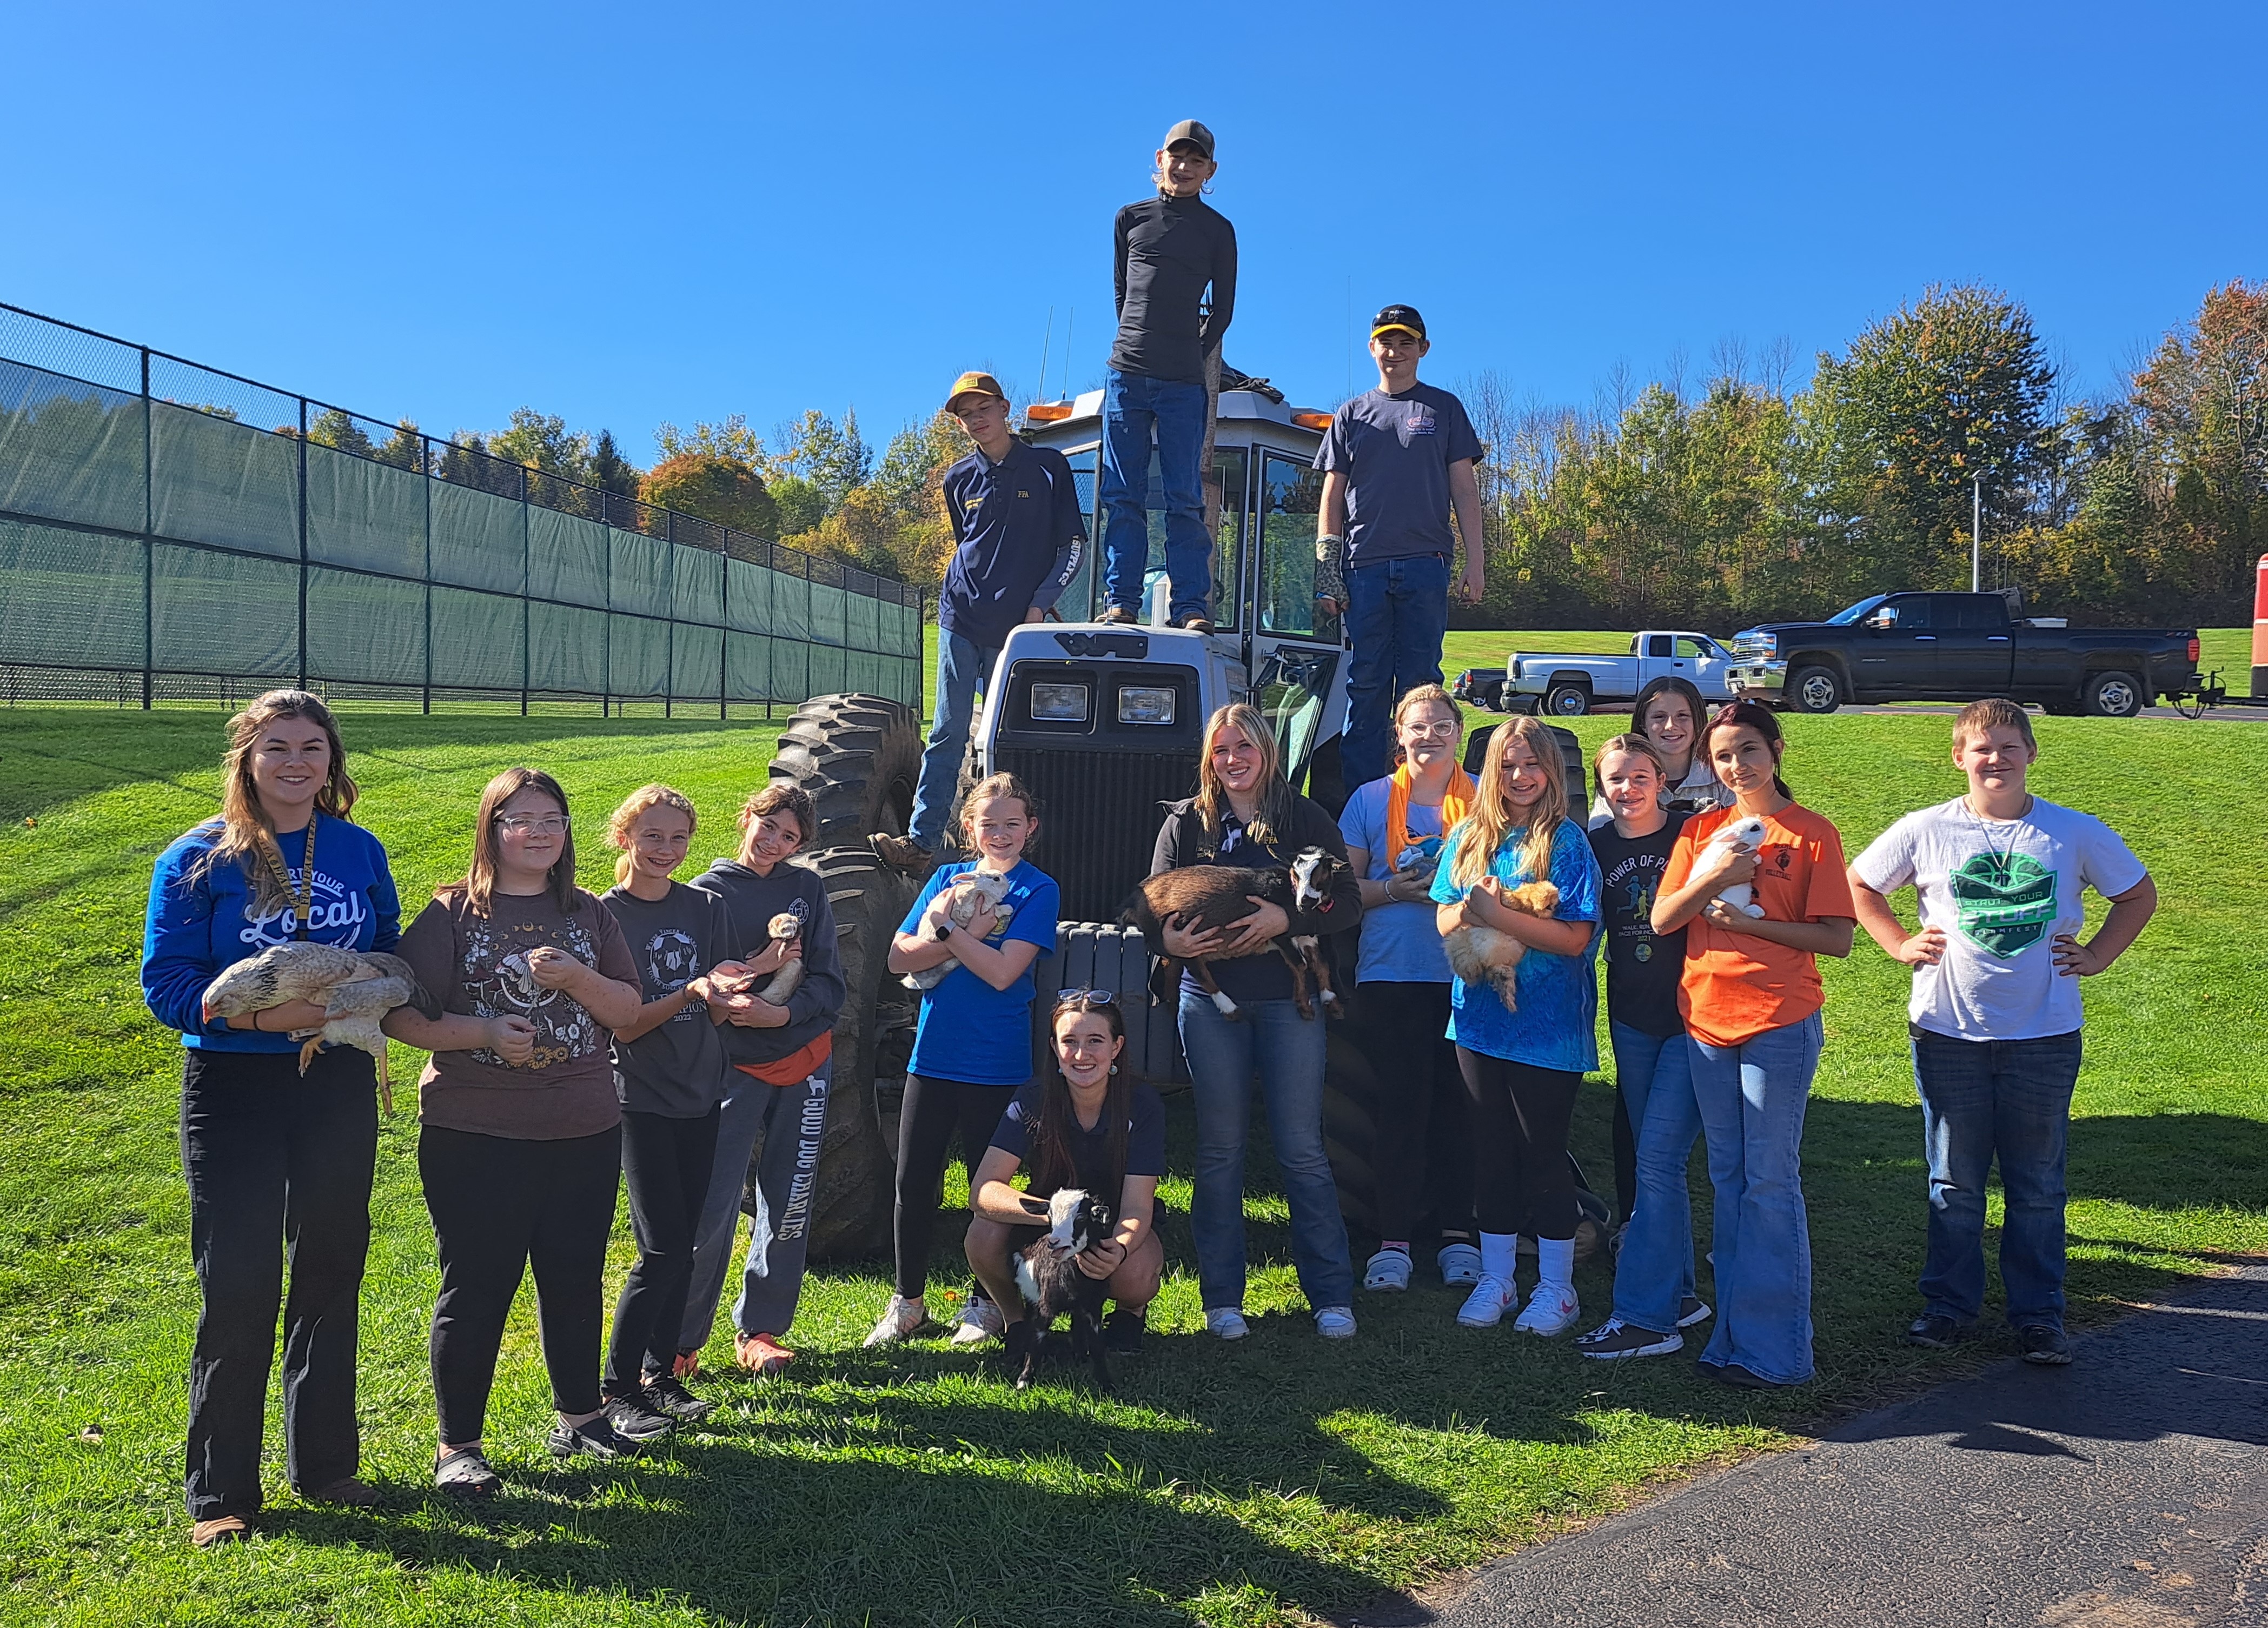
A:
{"points": [[1742, 499]]}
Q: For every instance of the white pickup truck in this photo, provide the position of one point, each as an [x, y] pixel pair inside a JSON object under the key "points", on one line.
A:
{"points": [[1570, 686]]}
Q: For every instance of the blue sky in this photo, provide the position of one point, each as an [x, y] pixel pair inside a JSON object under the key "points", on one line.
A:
{"points": [[629, 214]]}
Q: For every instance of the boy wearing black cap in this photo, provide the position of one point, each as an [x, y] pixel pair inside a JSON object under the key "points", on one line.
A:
{"points": [[1396, 461], [1019, 533], [1169, 249]]}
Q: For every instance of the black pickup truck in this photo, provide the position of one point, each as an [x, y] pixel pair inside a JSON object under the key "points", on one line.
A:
{"points": [[1959, 647]]}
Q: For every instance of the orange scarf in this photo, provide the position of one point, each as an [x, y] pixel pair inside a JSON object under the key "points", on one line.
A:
{"points": [[1456, 802]]}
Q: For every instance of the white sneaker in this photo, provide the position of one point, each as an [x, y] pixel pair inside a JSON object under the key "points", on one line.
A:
{"points": [[1387, 1272], [1335, 1323], [1460, 1264], [1226, 1322], [1549, 1311], [899, 1319], [980, 1321], [1485, 1305]]}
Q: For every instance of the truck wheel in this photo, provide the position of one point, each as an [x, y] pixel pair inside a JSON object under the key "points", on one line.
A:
{"points": [[2114, 694], [1814, 690], [851, 1209], [858, 756], [1567, 700], [1350, 1133]]}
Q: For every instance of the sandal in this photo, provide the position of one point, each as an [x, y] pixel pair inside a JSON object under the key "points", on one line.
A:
{"points": [[220, 1531], [761, 1354], [462, 1470]]}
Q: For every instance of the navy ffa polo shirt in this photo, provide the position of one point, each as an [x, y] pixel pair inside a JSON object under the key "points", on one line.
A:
{"points": [[1019, 531]]}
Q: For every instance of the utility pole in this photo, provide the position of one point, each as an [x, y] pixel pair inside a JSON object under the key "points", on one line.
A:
{"points": [[1976, 534]]}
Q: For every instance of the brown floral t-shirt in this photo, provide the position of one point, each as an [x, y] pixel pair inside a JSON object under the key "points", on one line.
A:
{"points": [[478, 965]]}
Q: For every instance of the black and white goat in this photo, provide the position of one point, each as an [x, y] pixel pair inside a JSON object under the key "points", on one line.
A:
{"points": [[1047, 1273], [1206, 896]]}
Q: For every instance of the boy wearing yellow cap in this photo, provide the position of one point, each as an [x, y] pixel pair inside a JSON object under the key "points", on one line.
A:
{"points": [[1169, 250], [1396, 461], [1018, 536]]}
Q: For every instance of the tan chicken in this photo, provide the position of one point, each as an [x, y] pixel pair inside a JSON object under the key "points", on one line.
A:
{"points": [[354, 989]]}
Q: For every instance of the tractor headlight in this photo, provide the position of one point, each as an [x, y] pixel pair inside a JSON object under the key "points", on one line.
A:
{"points": [[1062, 703], [1145, 705]]}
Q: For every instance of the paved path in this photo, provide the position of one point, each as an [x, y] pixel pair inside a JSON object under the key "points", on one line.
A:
{"points": [[2127, 1491]]}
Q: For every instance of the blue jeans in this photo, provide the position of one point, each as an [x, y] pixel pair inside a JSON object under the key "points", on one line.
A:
{"points": [[1752, 1097], [1654, 1075], [1134, 404], [962, 669], [1397, 612], [2013, 1098], [1288, 1051]]}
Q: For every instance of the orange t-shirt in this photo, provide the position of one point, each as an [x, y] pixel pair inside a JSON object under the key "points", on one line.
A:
{"points": [[1735, 986]]}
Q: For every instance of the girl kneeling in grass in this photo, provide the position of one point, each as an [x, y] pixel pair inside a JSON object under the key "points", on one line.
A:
{"points": [[519, 1142], [973, 1044], [1751, 997], [1084, 1124], [1522, 1068], [669, 1073]]}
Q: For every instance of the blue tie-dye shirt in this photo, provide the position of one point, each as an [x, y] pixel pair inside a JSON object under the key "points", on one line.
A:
{"points": [[1557, 1025]]}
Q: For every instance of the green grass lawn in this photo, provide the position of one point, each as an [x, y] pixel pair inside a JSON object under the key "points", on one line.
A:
{"points": [[1266, 1482]]}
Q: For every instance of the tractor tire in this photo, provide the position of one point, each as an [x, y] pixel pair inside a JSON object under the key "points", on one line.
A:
{"points": [[860, 757], [850, 1209], [1567, 701], [1814, 690], [1350, 1131], [2115, 694]]}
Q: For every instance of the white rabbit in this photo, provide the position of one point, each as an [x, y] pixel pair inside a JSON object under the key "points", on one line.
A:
{"points": [[970, 888], [1744, 836]]}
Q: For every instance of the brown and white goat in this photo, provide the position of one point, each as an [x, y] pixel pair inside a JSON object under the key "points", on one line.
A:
{"points": [[1201, 898]]}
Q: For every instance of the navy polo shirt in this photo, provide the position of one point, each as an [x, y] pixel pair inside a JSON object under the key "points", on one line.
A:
{"points": [[1019, 531]]}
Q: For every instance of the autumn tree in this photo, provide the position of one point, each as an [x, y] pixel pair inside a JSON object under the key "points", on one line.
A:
{"points": [[2201, 407], [715, 488]]}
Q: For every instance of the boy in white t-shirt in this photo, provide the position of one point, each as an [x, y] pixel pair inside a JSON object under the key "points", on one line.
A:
{"points": [[1995, 1014]]}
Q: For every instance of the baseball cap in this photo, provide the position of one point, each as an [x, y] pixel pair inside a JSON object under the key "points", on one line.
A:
{"points": [[1404, 317], [1190, 130], [974, 384]]}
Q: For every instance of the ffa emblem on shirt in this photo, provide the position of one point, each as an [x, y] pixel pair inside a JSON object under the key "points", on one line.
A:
{"points": [[1023, 494]]}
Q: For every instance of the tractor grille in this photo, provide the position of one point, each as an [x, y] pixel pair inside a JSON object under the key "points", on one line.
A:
{"points": [[1099, 817]]}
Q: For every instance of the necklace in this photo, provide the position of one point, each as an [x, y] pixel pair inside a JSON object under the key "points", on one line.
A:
{"points": [[2002, 857], [302, 896]]}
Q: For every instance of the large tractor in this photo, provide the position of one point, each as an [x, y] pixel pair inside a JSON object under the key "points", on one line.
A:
{"points": [[1103, 722]]}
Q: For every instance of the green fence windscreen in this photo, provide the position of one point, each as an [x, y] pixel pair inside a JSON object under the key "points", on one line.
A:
{"points": [[69, 451], [73, 599], [212, 480]]}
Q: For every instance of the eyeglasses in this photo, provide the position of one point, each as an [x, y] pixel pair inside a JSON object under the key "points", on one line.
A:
{"points": [[532, 825], [1445, 730], [1093, 998]]}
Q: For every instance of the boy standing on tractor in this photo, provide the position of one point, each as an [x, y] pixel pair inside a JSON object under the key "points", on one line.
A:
{"points": [[1019, 533], [1395, 462], [1169, 249], [1995, 1014]]}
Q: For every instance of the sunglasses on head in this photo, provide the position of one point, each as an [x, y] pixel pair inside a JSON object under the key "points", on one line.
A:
{"points": [[1093, 998]]}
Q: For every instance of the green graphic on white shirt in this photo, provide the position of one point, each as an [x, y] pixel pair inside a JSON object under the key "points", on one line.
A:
{"points": [[2005, 903]]}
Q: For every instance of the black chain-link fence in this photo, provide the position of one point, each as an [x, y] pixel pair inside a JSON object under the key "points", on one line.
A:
{"points": [[169, 531]]}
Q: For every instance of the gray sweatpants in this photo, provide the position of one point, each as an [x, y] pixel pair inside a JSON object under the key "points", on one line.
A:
{"points": [[790, 1119]]}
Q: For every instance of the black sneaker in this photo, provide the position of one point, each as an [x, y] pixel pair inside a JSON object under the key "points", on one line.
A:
{"points": [[593, 1438], [1693, 1309], [1738, 1377], [2043, 1345], [665, 1395], [1935, 1331], [1614, 1339], [1122, 1331], [634, 1421]]}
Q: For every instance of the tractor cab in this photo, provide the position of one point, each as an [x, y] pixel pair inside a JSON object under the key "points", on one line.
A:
{"points": [[1103, 721]]}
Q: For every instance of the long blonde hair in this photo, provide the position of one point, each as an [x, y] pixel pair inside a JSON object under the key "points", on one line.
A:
{"points": [[1491, 821], [622, 822], [1272, 798], [244, 825]]}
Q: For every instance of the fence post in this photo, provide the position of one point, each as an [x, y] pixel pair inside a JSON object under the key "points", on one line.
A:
{"points": [[921, 678], [426, 468], [725, 629], [809, 632], [525, 653], [149, 542], [606, 624], [303, 542], [669, 628]]}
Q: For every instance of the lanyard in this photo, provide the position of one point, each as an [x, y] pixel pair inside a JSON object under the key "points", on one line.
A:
{"points": [[302, 896]]}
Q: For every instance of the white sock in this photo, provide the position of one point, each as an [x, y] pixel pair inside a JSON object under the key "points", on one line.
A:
{"points": [[1555, 1259], [1499, 1254]]}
